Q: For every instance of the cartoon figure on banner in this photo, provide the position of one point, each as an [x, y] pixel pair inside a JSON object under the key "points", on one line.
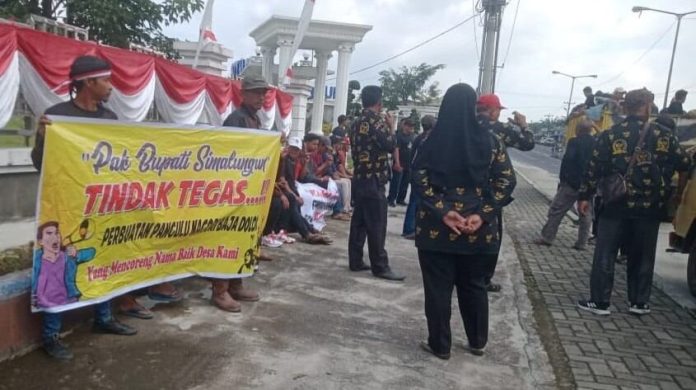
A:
{"points": [[56, 261], [250, 258]]}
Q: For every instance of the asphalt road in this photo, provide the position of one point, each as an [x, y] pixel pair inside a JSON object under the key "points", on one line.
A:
{"points": [[539, 157]]}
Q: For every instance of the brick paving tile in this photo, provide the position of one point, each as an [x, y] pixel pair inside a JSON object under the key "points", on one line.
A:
{"points": [[620, 351]]}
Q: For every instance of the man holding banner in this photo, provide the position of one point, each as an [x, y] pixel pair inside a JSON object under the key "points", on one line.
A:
{"points": [[228, 293], [90, 80]]}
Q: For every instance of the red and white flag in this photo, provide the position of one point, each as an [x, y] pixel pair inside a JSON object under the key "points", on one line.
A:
{"points": [[206, 34], [302, 27], [206, 30]]}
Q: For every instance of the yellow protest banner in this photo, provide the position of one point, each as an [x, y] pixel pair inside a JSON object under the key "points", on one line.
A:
{"points": [[127, 205]]}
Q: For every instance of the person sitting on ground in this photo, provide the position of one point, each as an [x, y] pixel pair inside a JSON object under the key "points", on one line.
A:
{"points": [[342, 128], [577, 155], [320, 169], [291, 218], [340, 155]]}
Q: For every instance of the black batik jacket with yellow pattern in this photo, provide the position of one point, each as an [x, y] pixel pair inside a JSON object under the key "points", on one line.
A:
{"points": [[433, 235], [521, 140], [648, 183], [371, 143]]}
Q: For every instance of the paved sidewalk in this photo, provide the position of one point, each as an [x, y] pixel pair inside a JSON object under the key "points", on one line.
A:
{"points": [[670, 268], [621, 351], [317, 326]]}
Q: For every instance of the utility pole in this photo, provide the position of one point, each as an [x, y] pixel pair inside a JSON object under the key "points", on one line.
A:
{"points": [[493, 19]]}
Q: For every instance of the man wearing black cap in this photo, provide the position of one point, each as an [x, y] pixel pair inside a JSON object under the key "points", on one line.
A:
{"points": [[641, 157], [488, 108], [228, 292], [90, 87], [372, 139]]}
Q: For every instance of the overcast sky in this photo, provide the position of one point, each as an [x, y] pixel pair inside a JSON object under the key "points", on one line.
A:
{"points": [[600, 37]]}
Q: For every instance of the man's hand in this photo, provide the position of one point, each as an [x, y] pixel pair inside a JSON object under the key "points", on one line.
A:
{"points": [[43, 122], [299, 200], [473, 223], [286, 203], [519, 119], [389, 121], [454, 221], [397, 167], [583, 207], [71, 251]]}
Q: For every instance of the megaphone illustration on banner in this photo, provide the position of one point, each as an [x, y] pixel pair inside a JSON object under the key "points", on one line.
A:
{"points": [[83, 232]]}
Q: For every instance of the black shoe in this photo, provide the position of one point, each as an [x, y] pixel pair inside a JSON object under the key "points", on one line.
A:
{"points": [[362, 267], [390, 275], [57, 350], [402, 203], [474, 351], [426, 347], [493, 287], [114, 327], [392, 204], [601, 309]]}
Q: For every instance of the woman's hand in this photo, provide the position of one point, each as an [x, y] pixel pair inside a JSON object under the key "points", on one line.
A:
{"points": [[473, 223], [455, 222]]}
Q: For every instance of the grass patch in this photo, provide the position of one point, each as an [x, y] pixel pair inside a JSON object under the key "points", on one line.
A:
{"points": [[15, 259], [14, 141]]}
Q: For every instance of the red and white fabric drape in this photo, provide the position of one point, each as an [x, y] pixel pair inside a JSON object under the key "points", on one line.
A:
{"points": [[39, 64]]}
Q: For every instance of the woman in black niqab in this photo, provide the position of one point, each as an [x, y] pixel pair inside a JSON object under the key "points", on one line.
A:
{"points": [[458, 151], [462, 176]]}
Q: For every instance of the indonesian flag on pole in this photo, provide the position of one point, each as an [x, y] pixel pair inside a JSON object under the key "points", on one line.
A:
{"points": [[206, 34], [206, 31], [302, 27]]}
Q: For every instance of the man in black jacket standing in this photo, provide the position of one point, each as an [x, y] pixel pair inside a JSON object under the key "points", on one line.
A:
{"points": [[372, 139], [646, 166], [488, 109], [574, 162]]}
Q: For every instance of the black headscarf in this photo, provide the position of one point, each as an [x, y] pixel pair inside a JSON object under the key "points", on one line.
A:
{"points": [[458, 151]]}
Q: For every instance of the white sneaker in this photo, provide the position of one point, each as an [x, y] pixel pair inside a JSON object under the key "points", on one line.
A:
{"points": [[639, 308], [270, 241], [284, 238]]}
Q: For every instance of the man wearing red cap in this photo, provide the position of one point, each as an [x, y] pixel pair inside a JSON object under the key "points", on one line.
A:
{"points": [[488, 108]]}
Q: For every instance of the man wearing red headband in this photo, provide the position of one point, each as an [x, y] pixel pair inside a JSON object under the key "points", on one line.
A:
{"points": [[90, 87]]}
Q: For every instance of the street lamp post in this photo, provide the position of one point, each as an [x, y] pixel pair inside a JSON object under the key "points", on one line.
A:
{"points": [[572, 86], [674, 47]]}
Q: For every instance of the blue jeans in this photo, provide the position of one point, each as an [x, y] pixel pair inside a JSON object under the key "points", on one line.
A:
{"points": [[338, 207], [394, 185], [53, 322], [410, 219]]}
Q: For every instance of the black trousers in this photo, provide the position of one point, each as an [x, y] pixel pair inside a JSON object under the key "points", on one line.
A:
{"points": [[369, 222], [274, 214], [441, 273], [491, 267], [291, 219], [641, 258]]}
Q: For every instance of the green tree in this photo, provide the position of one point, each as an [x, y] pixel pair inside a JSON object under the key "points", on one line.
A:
{"points": [[408, 85], [116, 23], [354, 107]]}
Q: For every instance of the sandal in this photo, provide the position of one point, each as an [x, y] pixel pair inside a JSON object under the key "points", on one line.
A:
{"points": [[174, 296], [316, 239], [341, 217], [138, 312]]}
